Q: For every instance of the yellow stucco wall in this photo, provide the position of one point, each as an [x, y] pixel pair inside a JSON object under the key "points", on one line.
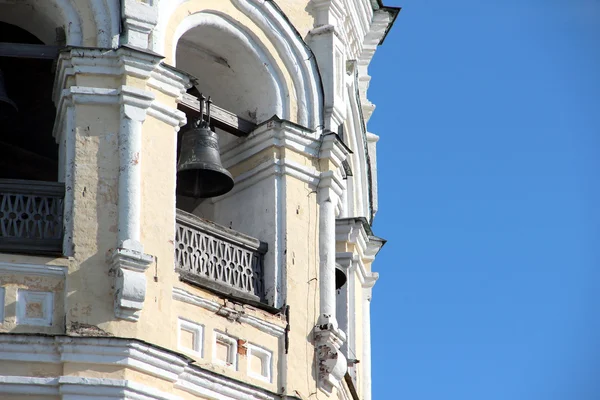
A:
{"points": [[85, 298]]}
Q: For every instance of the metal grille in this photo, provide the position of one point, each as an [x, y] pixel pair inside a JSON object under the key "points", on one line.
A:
{"points": [[219, 258], [31, 216]]}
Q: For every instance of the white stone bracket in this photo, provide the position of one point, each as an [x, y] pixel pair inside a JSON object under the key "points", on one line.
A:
{"points": [[332, 365], [130, 268]]}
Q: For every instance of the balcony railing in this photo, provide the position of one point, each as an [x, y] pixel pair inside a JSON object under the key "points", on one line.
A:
{"points": [[31, 216], [219, 258]]}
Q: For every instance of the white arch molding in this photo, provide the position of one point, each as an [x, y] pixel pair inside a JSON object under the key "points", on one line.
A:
{"points": [[212, 19], [297, 57], [41, 18], [107, 19]]}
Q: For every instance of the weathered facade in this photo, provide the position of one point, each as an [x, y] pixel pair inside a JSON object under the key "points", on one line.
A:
{"points": [[112, 285]]}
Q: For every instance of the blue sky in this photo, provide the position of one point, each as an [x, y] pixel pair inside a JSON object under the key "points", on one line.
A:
{"points": [[489, 118]]}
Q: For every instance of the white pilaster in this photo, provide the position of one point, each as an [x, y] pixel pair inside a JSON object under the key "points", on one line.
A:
{"points": [[356, 234], [366, 326], [139, 20], [128, 259], [327, 42], [328, 337], [134, 104]]}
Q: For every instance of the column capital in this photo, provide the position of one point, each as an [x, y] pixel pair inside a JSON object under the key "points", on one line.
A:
{"points": [[135, 102]]}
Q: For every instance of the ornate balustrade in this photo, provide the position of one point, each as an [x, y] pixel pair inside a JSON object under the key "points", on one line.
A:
{"points": [[219, 258], [31, 216]]}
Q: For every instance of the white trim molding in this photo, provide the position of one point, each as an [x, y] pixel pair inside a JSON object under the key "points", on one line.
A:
{"points": [[231, 358], [265, 356], [197, 331], [37, 302], [33, 269], [128, 353], [241, 317]]}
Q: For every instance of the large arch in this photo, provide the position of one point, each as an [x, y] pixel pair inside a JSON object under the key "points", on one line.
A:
{"points": [[41, 18], [231, 66], [275, 35]]}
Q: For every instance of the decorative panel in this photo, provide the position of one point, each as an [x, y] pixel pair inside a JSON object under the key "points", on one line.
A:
{"points": [[191, 337], [34, 308], [225, 350], [259, 362]]}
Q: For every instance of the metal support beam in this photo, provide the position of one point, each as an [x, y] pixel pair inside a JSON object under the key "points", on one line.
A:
{"points": [[24, 50], [221, 118]]}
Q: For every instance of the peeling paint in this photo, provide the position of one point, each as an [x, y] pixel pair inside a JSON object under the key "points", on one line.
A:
{"points": [[81, 329]]}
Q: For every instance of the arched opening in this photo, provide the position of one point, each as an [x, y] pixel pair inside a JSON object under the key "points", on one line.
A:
{"points": [[27, 148], [232, 68], [31, 199], [45, 20]]}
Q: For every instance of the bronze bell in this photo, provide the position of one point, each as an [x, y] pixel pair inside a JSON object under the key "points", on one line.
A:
{"points": [[6, 104], [340, 278], [200, 173]]}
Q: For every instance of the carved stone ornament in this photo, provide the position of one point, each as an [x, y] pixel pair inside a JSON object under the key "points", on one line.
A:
{"points": [[130, 281], [332, 363]]}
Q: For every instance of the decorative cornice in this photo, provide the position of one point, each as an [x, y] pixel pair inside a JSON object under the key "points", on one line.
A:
{"points": [[358, 231], [272, 133], [130, 353], [116, 63], [353, 263], [34, 269], [333, 149], [258, 323], [331, 184], [67, 386]]}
